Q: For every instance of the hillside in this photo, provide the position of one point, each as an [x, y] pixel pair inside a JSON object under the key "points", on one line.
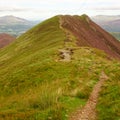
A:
{"points": [[113, 26], [12, 20], [90, 34], [14, 25], [116, 35], [109, 23], [50, 71], [5, 39], [105, 18]]}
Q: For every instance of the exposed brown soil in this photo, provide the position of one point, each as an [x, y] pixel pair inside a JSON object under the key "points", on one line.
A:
{"points": [[65, 55], [90, 34], [89, 110], [5, 39]]}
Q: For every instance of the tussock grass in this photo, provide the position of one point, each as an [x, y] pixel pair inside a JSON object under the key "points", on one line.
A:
{"points": [[109, 101]]}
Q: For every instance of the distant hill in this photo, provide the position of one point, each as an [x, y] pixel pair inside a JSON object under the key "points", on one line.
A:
{"points": [[50, 71], [12, 20], [5, 39], [14, 25], [116, 35], [109, 23], [105, 18]]}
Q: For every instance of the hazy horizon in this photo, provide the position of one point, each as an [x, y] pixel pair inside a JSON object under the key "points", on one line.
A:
{"points": [[41, 9]]}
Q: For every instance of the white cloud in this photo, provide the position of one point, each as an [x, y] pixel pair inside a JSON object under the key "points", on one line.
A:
{"points": [[35, 9]]}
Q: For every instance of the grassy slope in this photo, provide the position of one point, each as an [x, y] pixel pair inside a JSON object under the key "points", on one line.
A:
{"points": [[35, 86], [109, 101]]}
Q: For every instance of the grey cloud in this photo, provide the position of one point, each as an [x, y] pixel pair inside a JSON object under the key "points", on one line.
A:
{"points": [[107, 8], [14, 9]]}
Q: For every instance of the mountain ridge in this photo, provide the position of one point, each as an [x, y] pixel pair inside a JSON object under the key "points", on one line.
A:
{"points": [[90, 34], [47, 75]]}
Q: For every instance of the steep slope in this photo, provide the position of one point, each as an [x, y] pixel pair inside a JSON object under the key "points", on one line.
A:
{"points": [[5, 39], [90, 34], [45, 75]]}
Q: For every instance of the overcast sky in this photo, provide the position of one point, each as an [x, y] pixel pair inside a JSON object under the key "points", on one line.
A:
{"points": [[42, 9]]}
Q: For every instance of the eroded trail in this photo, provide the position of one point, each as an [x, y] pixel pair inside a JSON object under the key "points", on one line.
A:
{"points": [[89, 110]]}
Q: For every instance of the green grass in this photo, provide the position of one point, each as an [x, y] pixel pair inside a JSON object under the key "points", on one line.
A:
{"points": [[35, 85], [109, 101]]}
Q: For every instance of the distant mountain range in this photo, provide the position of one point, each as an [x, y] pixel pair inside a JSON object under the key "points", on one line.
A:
{"points": [[105, 18], [109, 23], [15, 25], [12, 20]]}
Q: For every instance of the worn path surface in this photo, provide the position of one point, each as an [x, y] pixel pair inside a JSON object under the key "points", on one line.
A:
{"points": [[89, 110]]}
